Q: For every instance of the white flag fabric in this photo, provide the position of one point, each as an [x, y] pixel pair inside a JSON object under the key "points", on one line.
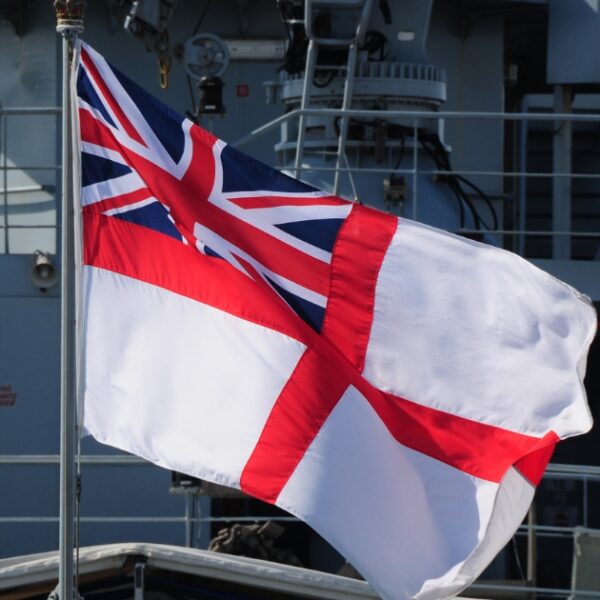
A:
{"points": [[398, 388]]}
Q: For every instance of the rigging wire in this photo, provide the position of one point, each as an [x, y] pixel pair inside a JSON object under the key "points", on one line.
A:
{"points": [[192, 96], [201, 19], [431, 143], [350, 177]]}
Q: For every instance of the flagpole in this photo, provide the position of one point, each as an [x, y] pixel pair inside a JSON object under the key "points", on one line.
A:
{"points": [[69, 23]]}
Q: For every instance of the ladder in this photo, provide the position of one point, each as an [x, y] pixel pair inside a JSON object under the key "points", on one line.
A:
{"points": [[312, 7]]}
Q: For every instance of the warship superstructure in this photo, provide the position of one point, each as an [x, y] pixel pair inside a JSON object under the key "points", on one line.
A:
{"points": [[481, 117]]}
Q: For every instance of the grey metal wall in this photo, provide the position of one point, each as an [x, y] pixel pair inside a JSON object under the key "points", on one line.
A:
{"points": [[29, 319], [472, 54]]}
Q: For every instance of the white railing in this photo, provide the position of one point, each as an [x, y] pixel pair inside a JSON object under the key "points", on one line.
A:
{"points": [[7, 115], [560, 234], [519, 178], [535, 532]]}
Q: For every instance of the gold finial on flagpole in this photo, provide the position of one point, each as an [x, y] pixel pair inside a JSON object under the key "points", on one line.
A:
{"points": [[69, 15]]}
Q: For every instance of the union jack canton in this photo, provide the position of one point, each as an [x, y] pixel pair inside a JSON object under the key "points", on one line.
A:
{"points": [[146, 164]]}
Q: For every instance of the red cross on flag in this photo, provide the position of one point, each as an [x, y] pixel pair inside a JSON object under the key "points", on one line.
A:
{"points": [[397, 387]]}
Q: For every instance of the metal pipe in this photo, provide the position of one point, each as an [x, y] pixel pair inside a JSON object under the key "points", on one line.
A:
{"points": [[139, 580], [531, 549], [69, 24], [155, 519], [67, 375], [561, 162], [556, 535], [189, 516], [311, 59], [553, 528], [89, 459], [405, 114], [582, 234], [5, 179], [553, 470], [33, 227], [522, 183], [421, 114], [32, 110], [34, 168], [415, 168], [541, 530], [530, 174], [22, 189], [585, 501], [346, 102], [538, 590]]}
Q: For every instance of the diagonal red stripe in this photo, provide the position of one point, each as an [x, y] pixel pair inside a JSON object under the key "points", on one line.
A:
{"points": [[267, 201], [108, 96], [304, 404], [275, 255], [482, 450], [533, 465], [158, 259], [188, 204]]}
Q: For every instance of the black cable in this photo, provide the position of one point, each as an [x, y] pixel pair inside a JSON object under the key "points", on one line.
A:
{"points": [[401, 155], [433, 146], [327, 81], [351, 121], [202, 17], [483, 196], [295, 57], [461, 208], [192, 97], [442, 160], [386, 13], [284, 18], [375, 41]]}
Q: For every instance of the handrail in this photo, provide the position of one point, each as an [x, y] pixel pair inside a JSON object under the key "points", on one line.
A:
{"points": [[156, 519], [584, 473], [415, 115], [90, 459], [31, 110], [553, 470], [496, 587], [5, 168], [566, 469]]}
